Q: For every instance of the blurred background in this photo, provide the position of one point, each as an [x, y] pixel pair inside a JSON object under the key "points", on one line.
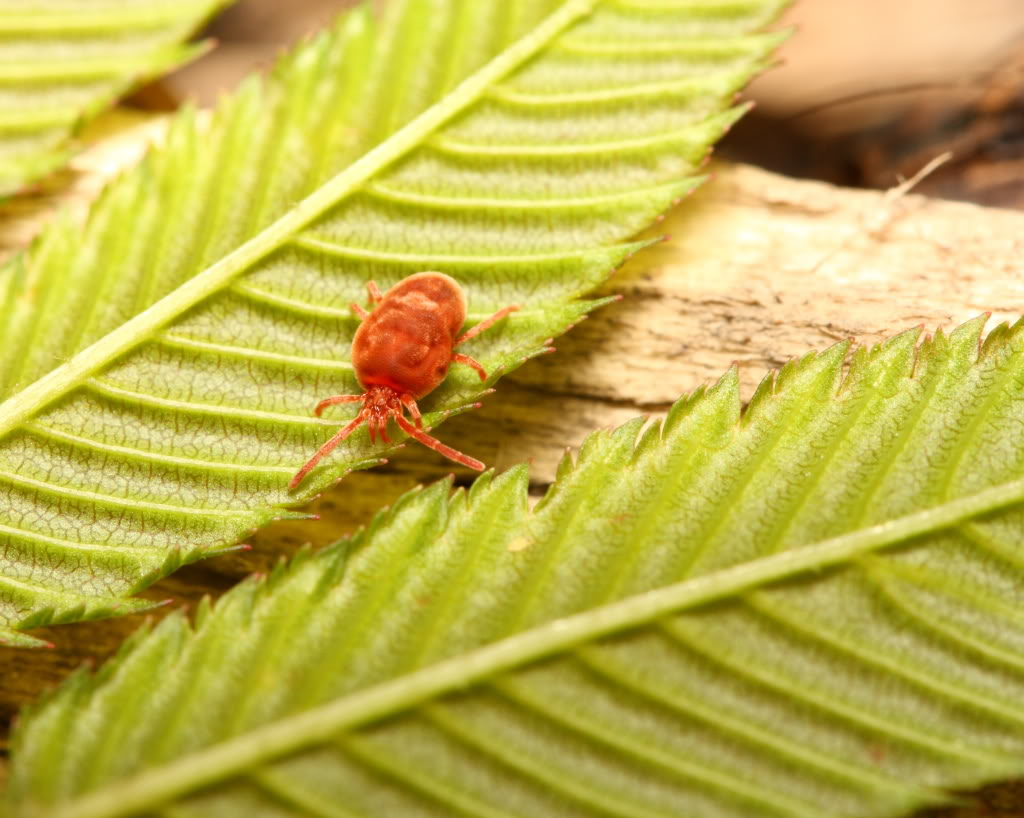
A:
{"points": [[868, 92]]}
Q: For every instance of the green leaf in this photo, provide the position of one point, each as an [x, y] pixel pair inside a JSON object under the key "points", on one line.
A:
{"points": [[810, 608], [61, 63], [160, 368]]}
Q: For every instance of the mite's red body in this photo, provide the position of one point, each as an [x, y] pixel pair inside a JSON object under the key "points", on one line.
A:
{"points": [[406, 343], [401, 353]]}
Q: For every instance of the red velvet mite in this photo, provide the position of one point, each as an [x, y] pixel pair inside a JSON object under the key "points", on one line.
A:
{"points": [[401, 352]]}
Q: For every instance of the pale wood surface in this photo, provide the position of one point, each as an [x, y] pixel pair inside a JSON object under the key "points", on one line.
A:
{"points": [[758, 269]]}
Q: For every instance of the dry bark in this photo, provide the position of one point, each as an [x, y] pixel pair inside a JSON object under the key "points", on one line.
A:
{"points": [[758, 269]]}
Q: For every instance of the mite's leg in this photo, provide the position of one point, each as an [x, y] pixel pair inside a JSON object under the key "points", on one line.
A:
{"points": [[375, 296], [409, 403], [326, 449], [486, 324], [334, 401], [437, 445], [459, 358], [383, 430]]}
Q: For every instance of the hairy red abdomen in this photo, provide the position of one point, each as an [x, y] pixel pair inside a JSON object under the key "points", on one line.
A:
{"points": [[406, 343]]}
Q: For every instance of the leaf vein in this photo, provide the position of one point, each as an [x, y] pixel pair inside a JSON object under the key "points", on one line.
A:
{"points": [[633, 748], [362, 750], [546, 775], [602, 664], [17, 531], [151, 456], [100, 498], [789, 689], [868, 656], [232, 412], [249, 353]]}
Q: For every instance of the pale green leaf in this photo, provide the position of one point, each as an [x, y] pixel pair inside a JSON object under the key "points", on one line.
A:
{"points": [[160, 368], [61, 61], [807, 609]]}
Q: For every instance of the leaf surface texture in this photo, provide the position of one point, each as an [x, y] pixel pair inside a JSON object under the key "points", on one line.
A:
{"points": [[808, 608], [61, 62], [159, 378]]}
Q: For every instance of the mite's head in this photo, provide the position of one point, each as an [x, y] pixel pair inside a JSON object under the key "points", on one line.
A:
{"points": [[380, 404]]}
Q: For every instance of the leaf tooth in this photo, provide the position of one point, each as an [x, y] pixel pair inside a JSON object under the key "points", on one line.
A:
{"points": [[1000, 338], [17, 639], [563, 471], [822, 369], [718, 409], [650, 440], [762, 395], [965, 341], [335, 565], [513, 482], [896, 356]]}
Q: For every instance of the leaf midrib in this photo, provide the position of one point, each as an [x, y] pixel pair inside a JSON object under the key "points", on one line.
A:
{"points": [[89, 361], [320, 724]]}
